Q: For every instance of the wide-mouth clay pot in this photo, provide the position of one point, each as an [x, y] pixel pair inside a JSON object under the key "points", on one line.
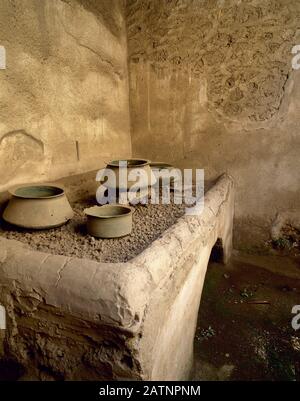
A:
{"points": [[143, 180], [131, 163], [38, 207], [161, 165], [109, 221], [158, 169]]}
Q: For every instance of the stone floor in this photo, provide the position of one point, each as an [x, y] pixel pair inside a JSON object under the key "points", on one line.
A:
{"points": [[237, 339]]}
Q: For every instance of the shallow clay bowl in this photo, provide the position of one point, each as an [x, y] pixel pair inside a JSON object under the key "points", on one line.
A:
{"points": [[109, 221], [38, 207]]}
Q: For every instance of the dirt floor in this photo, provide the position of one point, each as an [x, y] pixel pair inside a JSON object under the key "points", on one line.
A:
{"points": [[237, 339], [71, 239]]}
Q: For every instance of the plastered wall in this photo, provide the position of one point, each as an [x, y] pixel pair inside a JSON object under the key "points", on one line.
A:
{"points": [[64, 93], [212, 86]]}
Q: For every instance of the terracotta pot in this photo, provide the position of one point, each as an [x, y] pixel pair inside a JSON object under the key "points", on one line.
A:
{"points": [[109, 221], [131, 165], [38, 207], [157, 168], [161, 165]]}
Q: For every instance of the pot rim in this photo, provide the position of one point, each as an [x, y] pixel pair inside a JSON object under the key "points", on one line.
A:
{"points": [[161, 165], [89, 212], [13, 191], [115, 162]]}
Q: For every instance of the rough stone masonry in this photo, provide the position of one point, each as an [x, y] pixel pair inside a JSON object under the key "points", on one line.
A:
{"points": [[212, 86]]}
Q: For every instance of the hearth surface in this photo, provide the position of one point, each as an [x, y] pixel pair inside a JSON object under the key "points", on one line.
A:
{"points": [[71, 239]]}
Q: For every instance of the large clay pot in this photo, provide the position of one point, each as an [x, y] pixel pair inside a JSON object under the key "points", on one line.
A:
{"points": [[109, 221], [38, 207], [131, 165]]}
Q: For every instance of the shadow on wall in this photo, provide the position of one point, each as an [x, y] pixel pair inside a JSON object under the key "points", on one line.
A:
{"points": [[18, 149], [105, 11]]}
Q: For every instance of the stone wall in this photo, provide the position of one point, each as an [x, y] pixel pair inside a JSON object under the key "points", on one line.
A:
{"points": [[64, 95], [212, 86]]}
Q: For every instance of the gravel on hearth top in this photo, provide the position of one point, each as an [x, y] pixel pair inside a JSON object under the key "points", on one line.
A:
{"points": [[71, 239]]}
